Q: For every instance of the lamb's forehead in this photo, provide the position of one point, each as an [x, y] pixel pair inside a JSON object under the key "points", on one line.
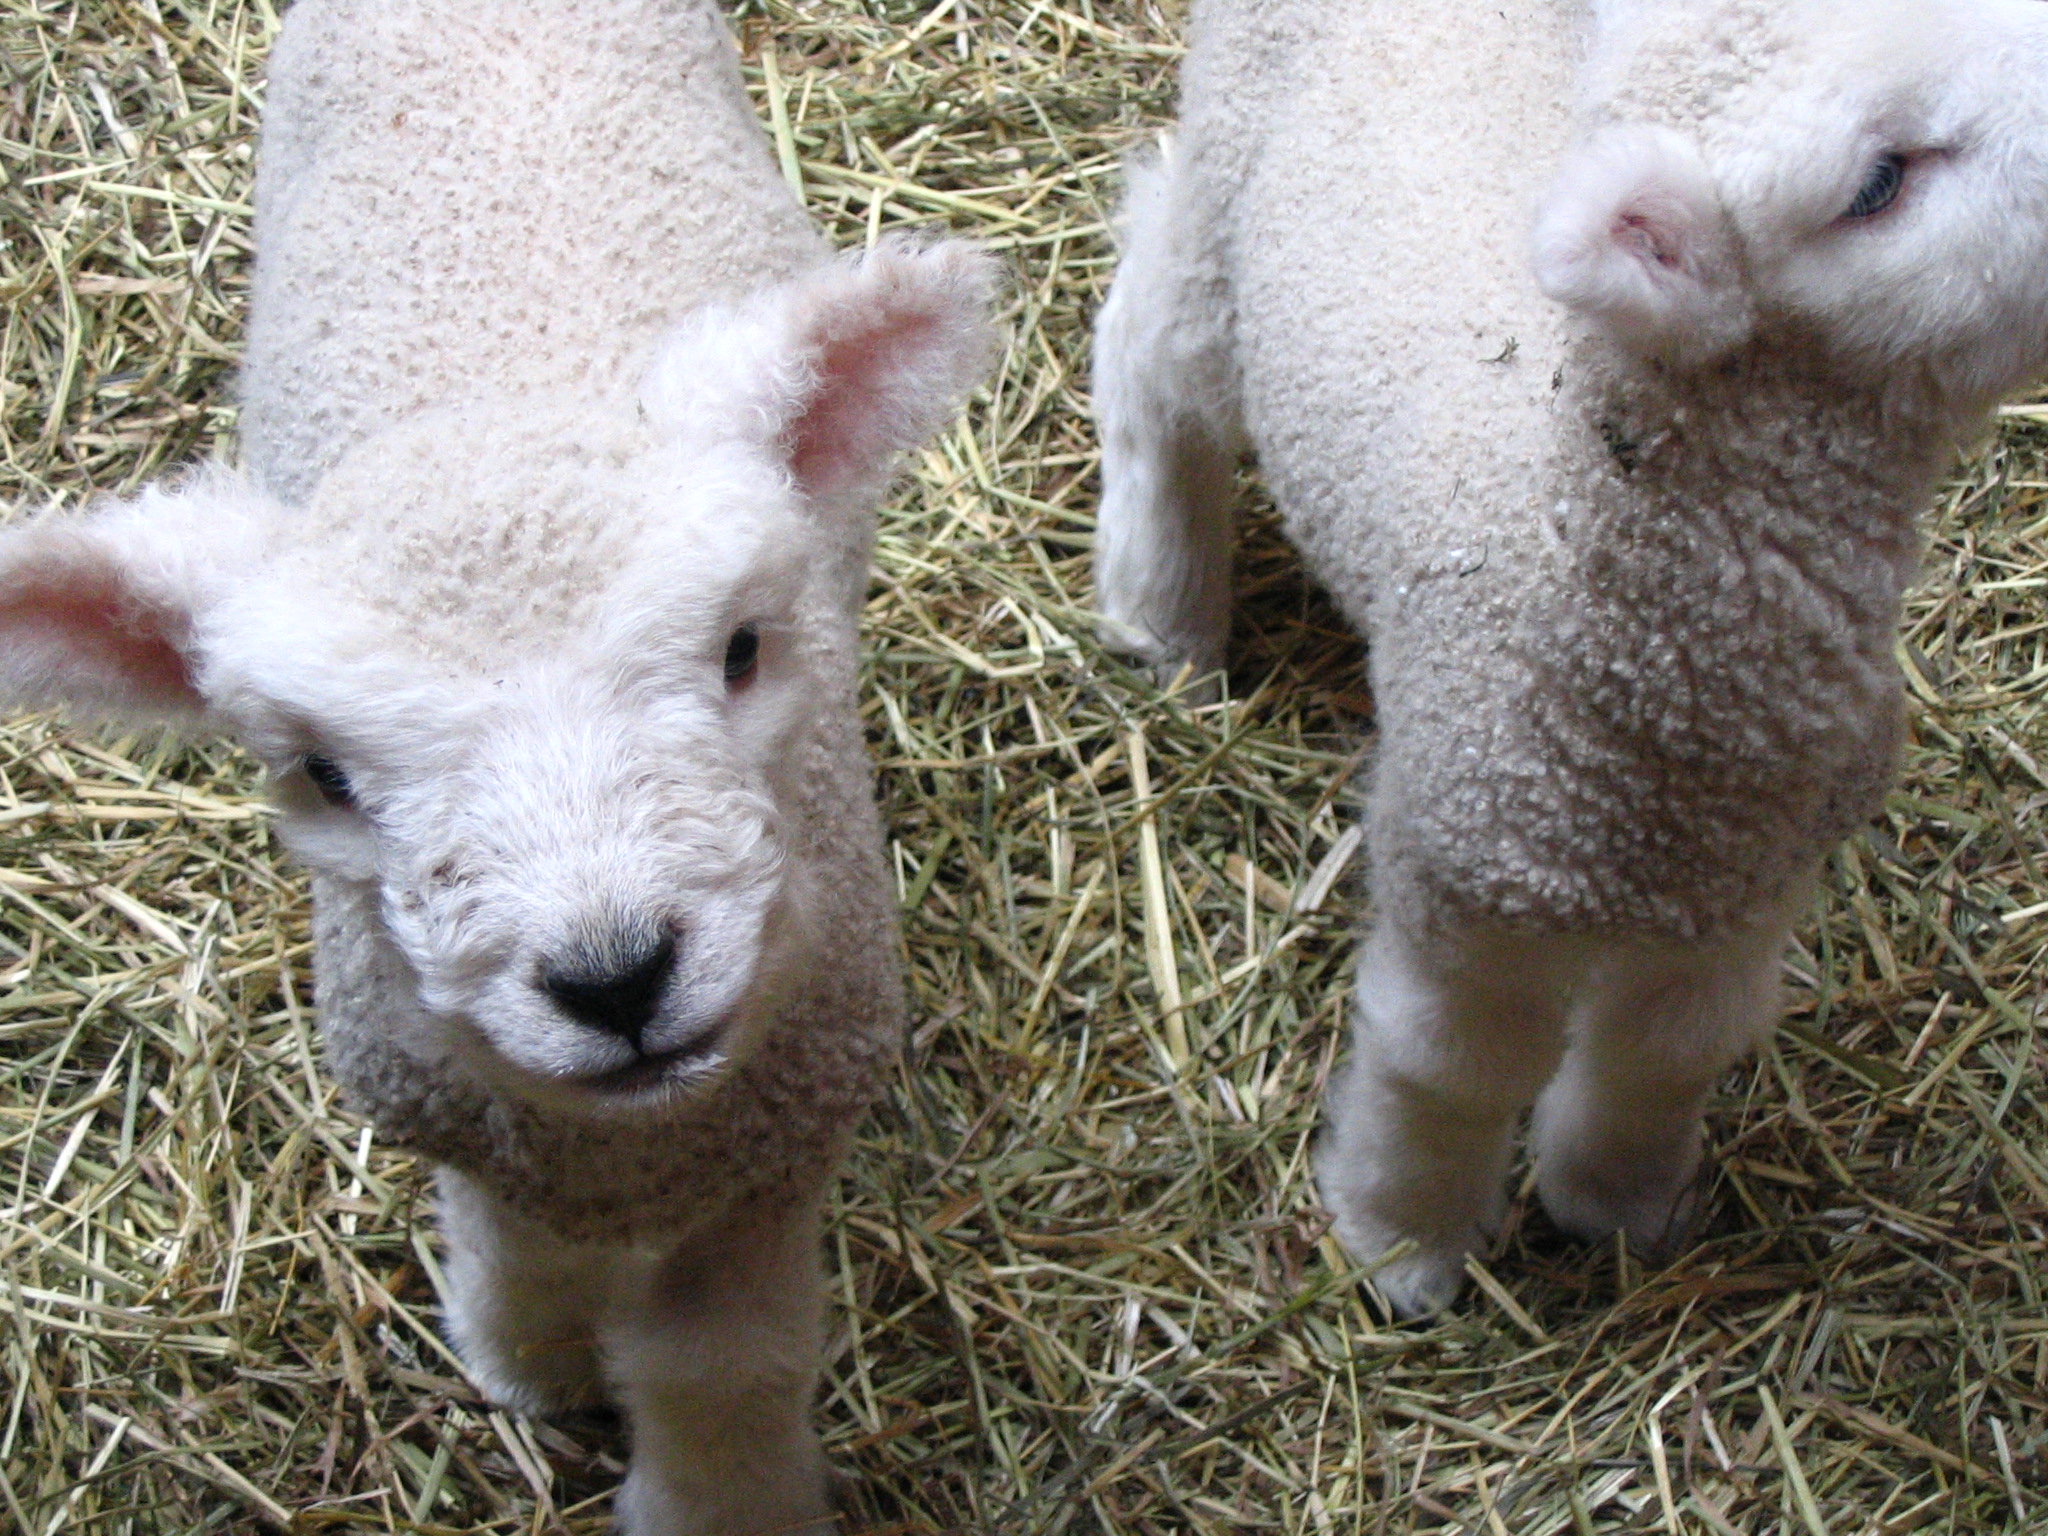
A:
{"points": [[1733, 68], [504, 528], [1792, 102]]}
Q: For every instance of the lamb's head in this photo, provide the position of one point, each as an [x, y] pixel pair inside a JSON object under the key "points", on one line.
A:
{"points": [[1868, 181], [556, 701]]}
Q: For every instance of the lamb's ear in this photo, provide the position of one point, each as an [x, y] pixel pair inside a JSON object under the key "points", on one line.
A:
{"points": [[840, 369], [99, 611], [1633, 234]]}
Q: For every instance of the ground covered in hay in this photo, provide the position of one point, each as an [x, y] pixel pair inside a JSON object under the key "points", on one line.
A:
{"points": [[1083, 1281]]}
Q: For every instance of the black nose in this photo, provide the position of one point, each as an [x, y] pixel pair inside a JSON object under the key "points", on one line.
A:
{"points": [[618, 998]]}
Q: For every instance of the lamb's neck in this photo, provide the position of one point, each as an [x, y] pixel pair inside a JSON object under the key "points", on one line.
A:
{"points": [[1732, 557], [1757, 495]]}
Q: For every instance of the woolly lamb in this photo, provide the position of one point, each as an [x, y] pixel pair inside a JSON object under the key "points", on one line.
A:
{"points": [[542, 613], [1629, 563]]}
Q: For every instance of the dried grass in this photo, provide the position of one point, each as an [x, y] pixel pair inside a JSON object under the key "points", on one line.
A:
{"points": [[1083, 1280]]}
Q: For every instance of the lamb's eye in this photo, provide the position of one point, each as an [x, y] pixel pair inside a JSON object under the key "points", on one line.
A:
{"points": [[742, 651], [1880, 189], [328, 778]]}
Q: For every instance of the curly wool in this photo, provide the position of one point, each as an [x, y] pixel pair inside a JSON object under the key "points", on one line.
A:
{"points": [[595, 171], [1630, 622]]}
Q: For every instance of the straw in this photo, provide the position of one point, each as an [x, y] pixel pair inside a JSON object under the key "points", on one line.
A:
{"points": [[1082, 1279]]}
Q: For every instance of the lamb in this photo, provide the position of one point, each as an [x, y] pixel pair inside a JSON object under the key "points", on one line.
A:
{"points": [[1623, 511], [538, 597]]}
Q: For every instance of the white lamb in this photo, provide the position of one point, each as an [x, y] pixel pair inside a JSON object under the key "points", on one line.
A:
{"points": [[542, 612], [1629, 564]]}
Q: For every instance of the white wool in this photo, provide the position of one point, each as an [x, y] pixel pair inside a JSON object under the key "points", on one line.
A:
{"points": [[564, 435], [1623, 507]]}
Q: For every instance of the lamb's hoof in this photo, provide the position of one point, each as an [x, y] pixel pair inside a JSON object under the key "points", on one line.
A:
{"points": [[1189, 688], [679, 1499], [1659, 1218], [1136, 643], [543, 1382], [1194, 677], [597, 1421], [1417, 1278], [1421, 1285]]}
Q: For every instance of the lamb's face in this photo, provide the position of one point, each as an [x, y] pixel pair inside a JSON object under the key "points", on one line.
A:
{"points": [[560, 693], [1866, 179], [1892, 188], [555, 718]]}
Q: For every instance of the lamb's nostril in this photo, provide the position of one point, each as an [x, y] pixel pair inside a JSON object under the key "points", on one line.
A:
{"points": [[618, 999]]}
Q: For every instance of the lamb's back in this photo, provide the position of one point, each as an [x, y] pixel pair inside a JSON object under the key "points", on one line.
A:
{"points": [[1399, 358], [1401, 366], [463, 197]]}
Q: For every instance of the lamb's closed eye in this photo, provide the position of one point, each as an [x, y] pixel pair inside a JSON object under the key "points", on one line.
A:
{"points": [[327, 777], [1881, 188]]}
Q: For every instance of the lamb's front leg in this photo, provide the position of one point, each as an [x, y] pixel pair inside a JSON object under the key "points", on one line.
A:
{"points": [[1452, 1036], [1617, 1133], [716, 1367], [1165, 402], [522, 1304]]}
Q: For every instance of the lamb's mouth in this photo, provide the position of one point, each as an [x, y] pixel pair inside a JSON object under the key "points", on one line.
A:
{"points": [[662, 1069]]}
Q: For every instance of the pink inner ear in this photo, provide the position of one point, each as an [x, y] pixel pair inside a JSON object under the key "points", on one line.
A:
{"points": [[1639, 230], [109, 642], [849, 428]]}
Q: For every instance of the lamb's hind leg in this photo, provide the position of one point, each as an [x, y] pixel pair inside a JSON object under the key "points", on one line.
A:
{"points": [[1165, 404], [1617, 1132], [715, 1366], [1452, 1036], [522, 1304]]}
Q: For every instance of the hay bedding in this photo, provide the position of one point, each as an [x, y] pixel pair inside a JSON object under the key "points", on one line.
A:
{"points": [[1083, 1282]]}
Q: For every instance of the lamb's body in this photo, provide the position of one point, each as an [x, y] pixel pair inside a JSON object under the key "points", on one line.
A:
{"points": [[542, 607], [1631, 623], [594, 173]]}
